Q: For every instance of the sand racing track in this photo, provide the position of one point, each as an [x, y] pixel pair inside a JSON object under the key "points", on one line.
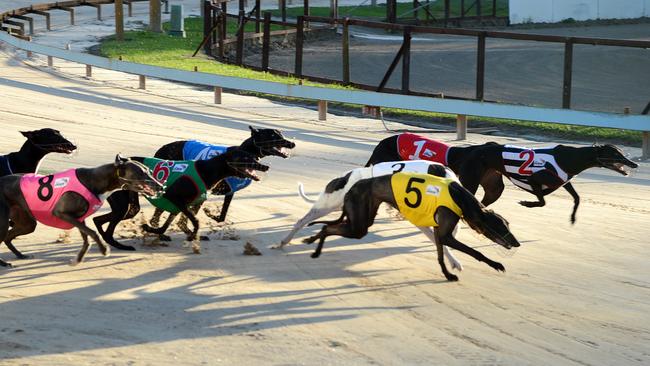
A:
{"points": [[572, 295]]}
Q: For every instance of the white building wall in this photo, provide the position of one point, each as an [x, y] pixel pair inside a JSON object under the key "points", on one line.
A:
{"points": [[552, 11]]}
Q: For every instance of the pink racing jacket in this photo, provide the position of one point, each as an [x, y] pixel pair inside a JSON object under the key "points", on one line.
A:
{"points": [[42, 192], [416, 147]]}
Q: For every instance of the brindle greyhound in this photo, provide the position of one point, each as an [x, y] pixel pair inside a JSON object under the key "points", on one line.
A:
{"points": [[263, 142], [407, 146], [66, 208], [363, 200], [538, 171], [39, 143], [181, 193]]}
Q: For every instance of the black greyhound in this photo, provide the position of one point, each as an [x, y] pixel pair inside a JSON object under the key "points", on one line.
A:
{"points": [[66, 199], [39, 143], [415, 191], [408, 146], [181, 193], [538, 171], [263, 142]]}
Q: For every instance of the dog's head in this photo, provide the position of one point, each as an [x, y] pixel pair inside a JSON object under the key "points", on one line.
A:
{"points": [[611, 157], [135, 176], [49, 140], [271, 142], [243, 164], [496, 228]]}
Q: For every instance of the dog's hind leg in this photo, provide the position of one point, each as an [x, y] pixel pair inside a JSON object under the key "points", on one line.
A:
{"points": [[576, 200], [536, 181], [311, 215], [160, 230], [23, 225], [492, 183], [85, 232], [455, 263], [4, 227]]}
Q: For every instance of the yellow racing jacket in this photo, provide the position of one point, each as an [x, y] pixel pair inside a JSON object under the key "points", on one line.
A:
{"points": [[418, 196]]}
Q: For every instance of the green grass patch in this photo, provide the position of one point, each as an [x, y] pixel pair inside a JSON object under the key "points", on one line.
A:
{"points": [[160, 49], [404, 10]]}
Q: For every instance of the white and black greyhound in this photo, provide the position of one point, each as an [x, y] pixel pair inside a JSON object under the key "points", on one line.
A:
{"points": [[331, 199]]}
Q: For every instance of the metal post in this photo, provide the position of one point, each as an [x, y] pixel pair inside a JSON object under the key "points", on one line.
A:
{"points": [[461, 127], [30, 22], [266, 41], [346, 51], [258, 15], [334, 9], [142, 82], [478, 9], [480, 67], [217, 95], [89, 71], [240, 39], [446, 12], [406, 61], [207, 25], [462, 9], [568, 69], [119, 20], [50, 61], [322, 110], [494, 8], [283, 10], [415, 11], [299, 45]]}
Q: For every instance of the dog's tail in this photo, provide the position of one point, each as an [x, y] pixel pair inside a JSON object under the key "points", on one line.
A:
{"points": [[301, 191]]}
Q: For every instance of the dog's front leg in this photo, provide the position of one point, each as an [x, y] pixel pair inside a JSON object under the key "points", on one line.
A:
{"points": [[455, 263], [224, 208], [85, 232], [310, 216], [441, 259], [195, 223], [576, 200]]}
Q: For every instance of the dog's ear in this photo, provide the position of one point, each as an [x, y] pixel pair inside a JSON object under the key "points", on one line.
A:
{"points": [[253, 129], [120, 160], [27, 134]]}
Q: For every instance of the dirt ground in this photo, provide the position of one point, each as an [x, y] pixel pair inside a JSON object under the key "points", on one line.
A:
{"points": [[571, 294]]}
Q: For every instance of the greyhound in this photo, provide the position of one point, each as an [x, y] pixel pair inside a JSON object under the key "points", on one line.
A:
{"points": [[39, 143], [425, 200], [539, 171], [64, 200], [263, 142], [331, 199], [408, 146], [186, 182]]}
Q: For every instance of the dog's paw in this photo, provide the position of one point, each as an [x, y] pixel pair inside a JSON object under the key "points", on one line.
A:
{"points": [[498, 266], [74, 262], [529, 203], [106, 251], [456, 265], [204, 238], [163, 237], [25, 256], [451, 277], [6, 264], [277, 246]]}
